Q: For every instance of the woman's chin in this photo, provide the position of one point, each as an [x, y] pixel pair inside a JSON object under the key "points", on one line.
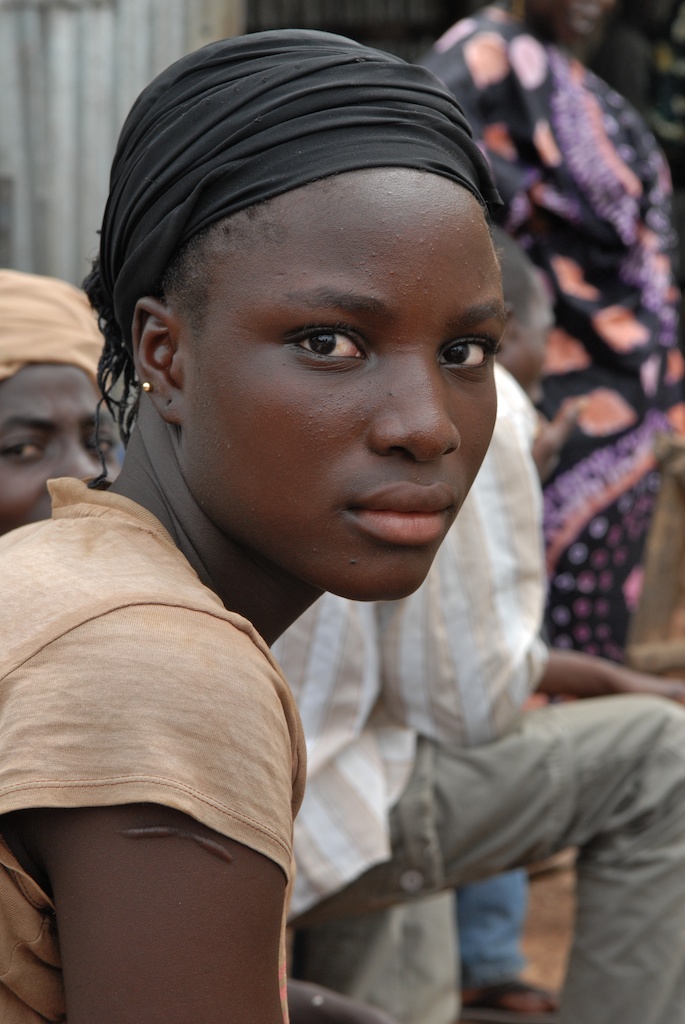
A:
{"points": [[363, 584]]}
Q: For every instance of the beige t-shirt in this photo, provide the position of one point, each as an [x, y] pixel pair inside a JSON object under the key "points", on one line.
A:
{"points": [[123, 679]]}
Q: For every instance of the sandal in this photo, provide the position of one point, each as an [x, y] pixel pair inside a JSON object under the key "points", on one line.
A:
{"points": [[493, 1005]]}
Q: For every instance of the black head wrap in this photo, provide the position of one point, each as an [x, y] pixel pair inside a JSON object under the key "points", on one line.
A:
{"points": [[245, 119]]}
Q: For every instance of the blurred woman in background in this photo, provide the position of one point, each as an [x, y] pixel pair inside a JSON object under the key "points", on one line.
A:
{"points": [[587, 192]]}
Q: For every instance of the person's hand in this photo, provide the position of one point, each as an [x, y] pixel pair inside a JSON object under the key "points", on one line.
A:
{"points": [[313, 1004], [552, 435]]}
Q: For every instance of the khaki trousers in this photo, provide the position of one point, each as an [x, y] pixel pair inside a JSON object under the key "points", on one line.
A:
{"points": [[604, 775]]}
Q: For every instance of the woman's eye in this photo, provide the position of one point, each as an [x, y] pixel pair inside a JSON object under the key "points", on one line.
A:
{"points": [[331, 343], [466, 353], [25, 451]]}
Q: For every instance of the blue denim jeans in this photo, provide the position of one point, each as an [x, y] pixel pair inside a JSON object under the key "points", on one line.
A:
{"points": [[490, 919]]}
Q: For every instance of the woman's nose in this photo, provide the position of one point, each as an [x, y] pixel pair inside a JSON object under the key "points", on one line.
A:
{"points": [[413, 415]]}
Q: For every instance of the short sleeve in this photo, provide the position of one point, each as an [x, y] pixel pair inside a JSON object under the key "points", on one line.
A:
{"points": [[162, 704]]}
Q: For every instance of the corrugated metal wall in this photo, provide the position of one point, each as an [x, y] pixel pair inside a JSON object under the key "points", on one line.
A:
{"points": [[69, 71]]}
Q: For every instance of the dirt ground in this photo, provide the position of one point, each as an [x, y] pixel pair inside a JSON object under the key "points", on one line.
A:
{"points": [[547, 936]]}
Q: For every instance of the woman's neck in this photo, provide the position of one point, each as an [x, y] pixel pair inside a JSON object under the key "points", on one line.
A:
{"points": [[269, 598]]}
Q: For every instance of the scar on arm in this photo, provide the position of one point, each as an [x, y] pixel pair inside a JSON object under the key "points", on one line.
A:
{"points": [[169, 831]]}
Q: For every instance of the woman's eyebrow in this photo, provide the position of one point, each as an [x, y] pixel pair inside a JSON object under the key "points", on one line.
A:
{"points": [[350, 302], [32, 422], [474, 315]]}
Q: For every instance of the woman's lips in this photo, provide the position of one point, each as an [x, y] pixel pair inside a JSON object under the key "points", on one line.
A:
{"points": [[406, 528], [406, 513]]}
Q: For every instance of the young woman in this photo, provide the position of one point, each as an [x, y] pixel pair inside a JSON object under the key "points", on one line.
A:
{"points": [[301, 302], [50, 346]]}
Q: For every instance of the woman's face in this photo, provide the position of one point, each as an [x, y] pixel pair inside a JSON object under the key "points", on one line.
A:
{"points": [[47, 430], [339, 397], [569, 23]]}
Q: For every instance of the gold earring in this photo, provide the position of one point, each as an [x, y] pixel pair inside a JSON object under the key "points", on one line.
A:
{"points": [[146, 385]]}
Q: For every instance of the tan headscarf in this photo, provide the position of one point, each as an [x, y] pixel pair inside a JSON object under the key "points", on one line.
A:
{"points": [[45, 320]]}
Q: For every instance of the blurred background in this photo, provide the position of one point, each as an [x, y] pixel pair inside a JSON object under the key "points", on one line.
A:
{"points": [[70, 69]]}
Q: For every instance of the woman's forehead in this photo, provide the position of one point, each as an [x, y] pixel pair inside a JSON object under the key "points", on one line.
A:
{"points": [[356, 244], [371, 199], [38, 385]]}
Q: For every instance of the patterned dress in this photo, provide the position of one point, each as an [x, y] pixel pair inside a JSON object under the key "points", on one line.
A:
{"points": [[586, 191]]}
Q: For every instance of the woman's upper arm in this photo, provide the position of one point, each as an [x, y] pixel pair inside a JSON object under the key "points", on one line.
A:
{"points": [[159, 917]]}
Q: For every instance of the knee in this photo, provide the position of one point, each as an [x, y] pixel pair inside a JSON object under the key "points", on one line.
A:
{"points": [[625, 730], [660, 710], [659, 720], [656, 732]]}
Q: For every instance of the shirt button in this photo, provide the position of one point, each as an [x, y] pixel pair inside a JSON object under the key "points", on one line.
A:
{"points": [[411, 881]]}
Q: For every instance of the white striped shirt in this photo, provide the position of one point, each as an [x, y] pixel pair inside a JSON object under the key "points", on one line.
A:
{"points": [[454, 662]]}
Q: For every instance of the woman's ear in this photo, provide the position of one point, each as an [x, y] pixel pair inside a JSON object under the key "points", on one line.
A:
{"points": [[158, 353]]}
